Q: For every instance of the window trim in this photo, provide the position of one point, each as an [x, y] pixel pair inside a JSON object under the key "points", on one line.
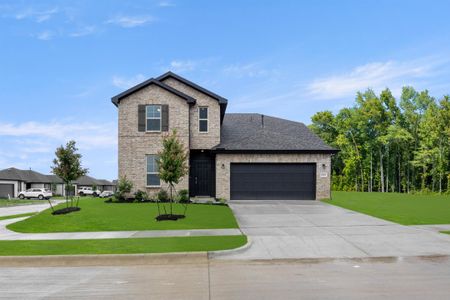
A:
{"points": [[203, 119], [153, 118], [147, 172]]}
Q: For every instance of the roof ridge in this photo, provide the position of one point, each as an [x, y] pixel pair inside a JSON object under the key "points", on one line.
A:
{"points": [[116, 99]]}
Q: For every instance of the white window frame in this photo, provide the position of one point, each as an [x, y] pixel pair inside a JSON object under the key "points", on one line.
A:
{"points": [[203, 119], [153, 118], [147, 172]]}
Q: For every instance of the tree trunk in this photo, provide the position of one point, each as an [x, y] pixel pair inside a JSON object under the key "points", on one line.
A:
{"points": [[381, 170], [371, 173]]}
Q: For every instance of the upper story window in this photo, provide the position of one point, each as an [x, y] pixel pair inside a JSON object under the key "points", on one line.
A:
{"points": [[152, 171], [203, 119], [153, 117]]}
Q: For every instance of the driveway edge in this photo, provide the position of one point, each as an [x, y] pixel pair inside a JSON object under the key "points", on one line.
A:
{"points": [[221, 253], [104, 259]]}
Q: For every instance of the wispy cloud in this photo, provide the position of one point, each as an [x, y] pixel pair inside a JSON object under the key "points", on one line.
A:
{"points": [[36, 15], [130, 21], [246, 70], [83, 31], [166, 4], [89, 135], [125, 83], [376, 75], [45, 35], [183, 65]]}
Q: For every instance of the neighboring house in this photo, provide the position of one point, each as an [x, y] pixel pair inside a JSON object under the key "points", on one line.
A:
{"points": [[231, 156], [13, 181]]}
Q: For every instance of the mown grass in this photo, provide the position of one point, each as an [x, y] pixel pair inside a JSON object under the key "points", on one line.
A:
{"points": [[96, 215], [406, 209], [121, 246], [16, 216]]}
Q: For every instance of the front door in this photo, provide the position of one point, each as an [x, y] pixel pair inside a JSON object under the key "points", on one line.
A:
{"points": [[201, 175]]}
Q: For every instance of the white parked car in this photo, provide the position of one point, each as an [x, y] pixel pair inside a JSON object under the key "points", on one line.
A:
{"points": [[106, 194], [39, 193], [88, 191]]}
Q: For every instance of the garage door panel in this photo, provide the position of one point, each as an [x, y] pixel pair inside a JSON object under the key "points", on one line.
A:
{"points": [[272, 181], [6, 189]]}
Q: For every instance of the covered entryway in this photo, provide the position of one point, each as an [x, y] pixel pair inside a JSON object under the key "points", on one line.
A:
{"points": [[6, 189], [202, 174], [273, 181]]}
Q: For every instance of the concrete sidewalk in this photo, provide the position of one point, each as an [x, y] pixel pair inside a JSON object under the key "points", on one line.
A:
{"points": [[6, 234], [23, 209]]}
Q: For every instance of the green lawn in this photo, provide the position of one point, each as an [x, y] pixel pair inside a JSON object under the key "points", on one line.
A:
{"points": [[121, 246], [15, 202], [95, 215], [16, 216], [400, 208]]}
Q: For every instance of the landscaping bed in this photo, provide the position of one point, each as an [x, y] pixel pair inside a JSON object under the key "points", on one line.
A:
{"points": [[95, 215], [406, 209], [121, 246]]}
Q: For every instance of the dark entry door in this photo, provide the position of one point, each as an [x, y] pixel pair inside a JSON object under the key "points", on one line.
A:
{"points": [[202, 175], [273, 181], [6, 189]]}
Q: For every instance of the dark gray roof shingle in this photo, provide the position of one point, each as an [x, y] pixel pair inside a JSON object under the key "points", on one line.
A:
{"points": [[24, 175], [242, 131]]}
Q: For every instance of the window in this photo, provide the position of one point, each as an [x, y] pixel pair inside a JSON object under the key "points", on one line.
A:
{"points": [[153, 117], [152, 171], [203, 119]]}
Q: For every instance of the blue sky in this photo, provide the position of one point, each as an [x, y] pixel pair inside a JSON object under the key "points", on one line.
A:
{"points": [[62, 61]]}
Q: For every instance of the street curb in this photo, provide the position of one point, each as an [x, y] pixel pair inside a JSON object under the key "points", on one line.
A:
{"points": [[437, 258], [222, 253], [104, 259]]}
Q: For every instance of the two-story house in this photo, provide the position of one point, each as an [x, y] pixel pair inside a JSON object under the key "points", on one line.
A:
{"points": [[232, 156]]}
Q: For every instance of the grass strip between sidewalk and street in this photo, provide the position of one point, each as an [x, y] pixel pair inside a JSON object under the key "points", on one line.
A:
{"points": [[121, 246]]}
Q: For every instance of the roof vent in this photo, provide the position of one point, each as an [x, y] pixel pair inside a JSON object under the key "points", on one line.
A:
{"points": [[262, 121]]}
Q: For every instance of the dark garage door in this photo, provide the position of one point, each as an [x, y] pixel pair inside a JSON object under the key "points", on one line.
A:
{"points": [[6, 189], [273, 181]]}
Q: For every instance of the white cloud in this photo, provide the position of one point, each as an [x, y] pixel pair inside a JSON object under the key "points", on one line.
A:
{"points": [[183, 65], [246, 70], [166, 4], [376, 75], [86, 30], [126, 83], [38, 135], [130, 21], [45, 35], [37, 15]]}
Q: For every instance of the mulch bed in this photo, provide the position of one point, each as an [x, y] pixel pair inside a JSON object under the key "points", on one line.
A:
{"points": [[65, 210], [169, 217]]}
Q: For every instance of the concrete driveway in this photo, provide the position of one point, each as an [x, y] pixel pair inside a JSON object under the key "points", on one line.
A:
{"points": [[312, 229]]}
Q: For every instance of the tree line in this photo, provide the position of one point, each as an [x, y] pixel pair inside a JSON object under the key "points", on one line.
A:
{"points": [[389, 145]]}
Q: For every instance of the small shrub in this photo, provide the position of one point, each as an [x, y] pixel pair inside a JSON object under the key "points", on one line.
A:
{"points": [[140, 196], [183, 196], [222, 200], [163, 196]]}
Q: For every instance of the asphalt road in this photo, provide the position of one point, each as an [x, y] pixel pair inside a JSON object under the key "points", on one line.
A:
{"points": [[390, 278]]}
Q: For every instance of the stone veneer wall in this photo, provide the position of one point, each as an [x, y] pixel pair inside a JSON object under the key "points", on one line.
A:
{"points": [[200, 140], [135, 145], [223, 174]]}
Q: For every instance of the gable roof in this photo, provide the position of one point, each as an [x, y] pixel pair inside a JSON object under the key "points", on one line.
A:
{"points": [[170, 74], [222, 101], [255, 132], [116, 99]]}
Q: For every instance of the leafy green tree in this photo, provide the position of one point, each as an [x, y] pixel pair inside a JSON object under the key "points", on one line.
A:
{"points": [[172, 164], [67, 165]]}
